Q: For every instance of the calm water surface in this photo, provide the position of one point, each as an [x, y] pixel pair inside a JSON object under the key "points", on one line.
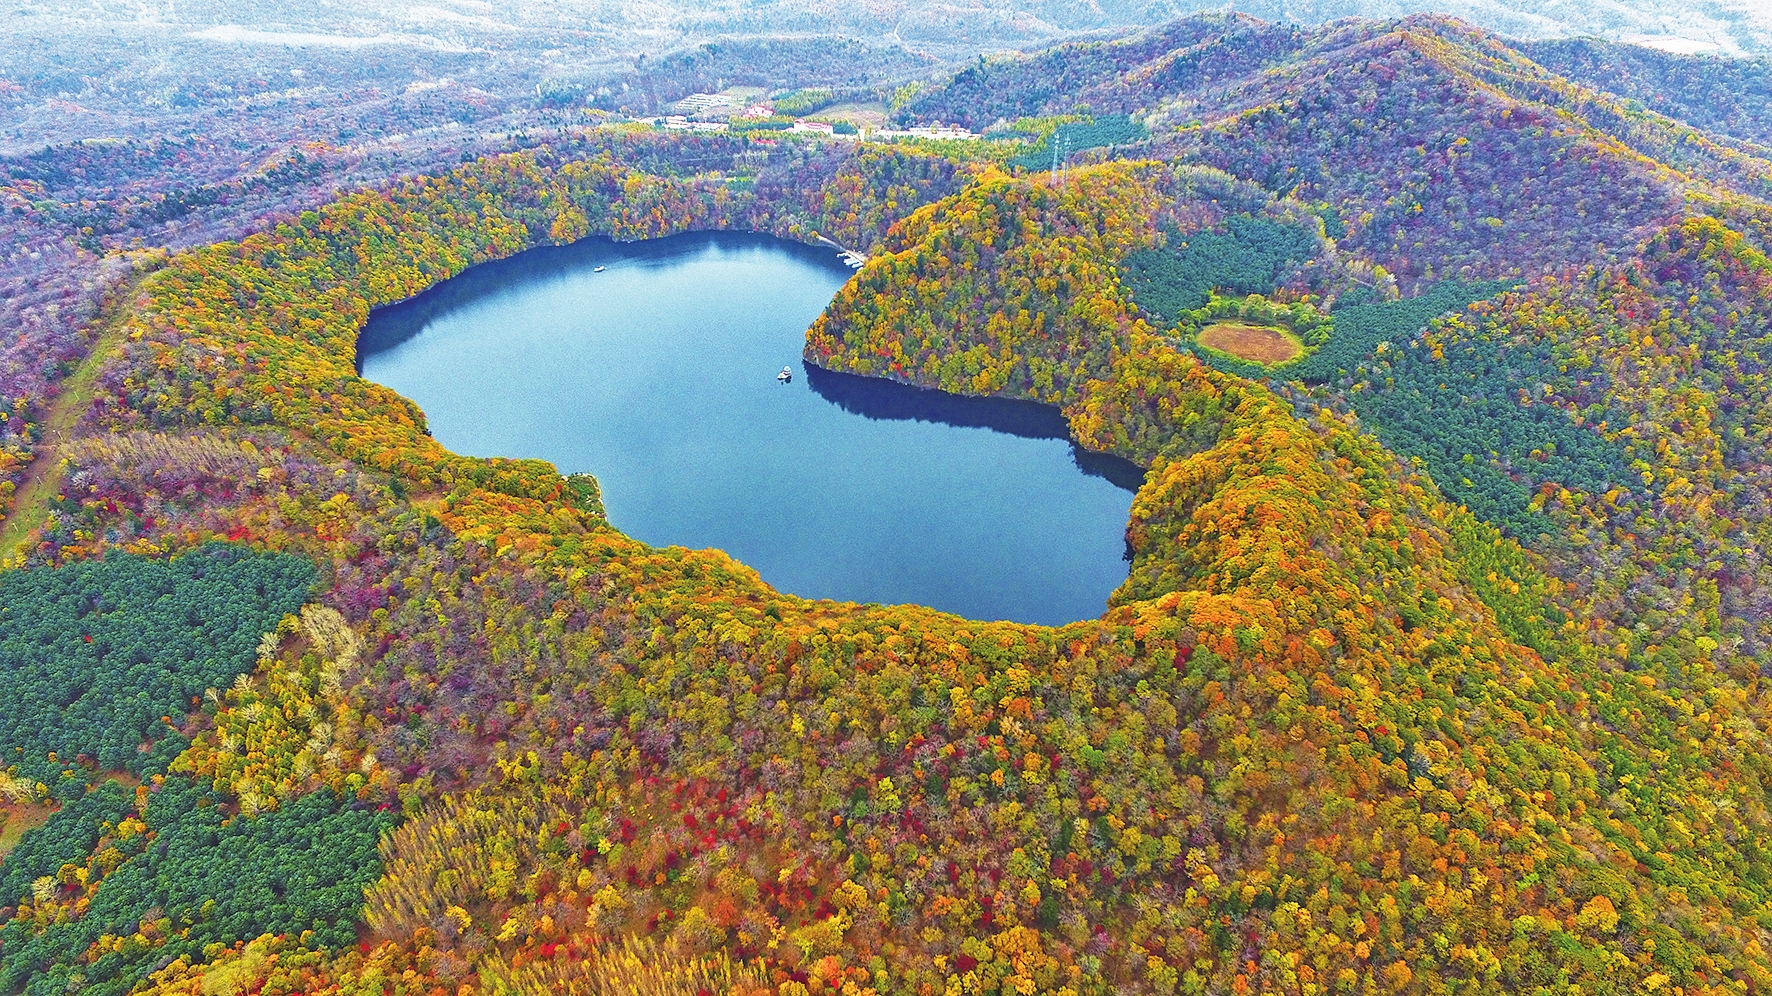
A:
{"points": [[658, 376]]}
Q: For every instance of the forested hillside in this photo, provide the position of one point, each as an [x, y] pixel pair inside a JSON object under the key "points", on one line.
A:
{"points": [[1727, 97], [1440, 665]]}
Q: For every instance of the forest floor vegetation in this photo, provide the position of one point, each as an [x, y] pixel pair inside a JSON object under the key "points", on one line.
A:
{"points": [[18, 817]]}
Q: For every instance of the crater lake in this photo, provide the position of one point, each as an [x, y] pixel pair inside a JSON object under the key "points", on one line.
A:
{"points": [[654, 366]]}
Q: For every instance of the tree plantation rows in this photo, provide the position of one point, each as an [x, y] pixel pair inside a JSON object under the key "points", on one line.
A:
{"points": [[106, 660], [95, 658], [182, 879], [1251, 256]]}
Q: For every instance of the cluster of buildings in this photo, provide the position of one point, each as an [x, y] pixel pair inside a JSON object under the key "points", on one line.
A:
{"points": [[936, 130], [711, 112], [677, 122], [697, 103]]}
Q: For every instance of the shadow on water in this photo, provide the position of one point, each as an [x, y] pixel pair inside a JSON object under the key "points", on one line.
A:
{"points": [[874, 398], [871, 397], [652, 365], [392, 324]]}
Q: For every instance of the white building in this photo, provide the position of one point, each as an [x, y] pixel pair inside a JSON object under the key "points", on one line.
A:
{"points": [[936, 130], [677, 122]]}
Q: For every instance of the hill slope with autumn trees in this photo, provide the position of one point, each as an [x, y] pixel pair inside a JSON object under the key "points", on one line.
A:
{"points": [[1439, 666]]}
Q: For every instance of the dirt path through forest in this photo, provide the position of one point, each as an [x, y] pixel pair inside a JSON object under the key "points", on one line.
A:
{"points": [[30, 507]]}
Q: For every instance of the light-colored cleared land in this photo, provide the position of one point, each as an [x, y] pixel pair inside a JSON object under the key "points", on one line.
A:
{"points": [[869, 116], [1261, 344]]}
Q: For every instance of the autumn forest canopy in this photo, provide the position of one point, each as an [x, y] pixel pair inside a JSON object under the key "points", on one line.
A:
{"points": [[1441, 664]]}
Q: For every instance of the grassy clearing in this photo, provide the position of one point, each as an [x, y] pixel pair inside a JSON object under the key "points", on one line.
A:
{"points": [[1263, 344], [860, 115], [17, 818]]}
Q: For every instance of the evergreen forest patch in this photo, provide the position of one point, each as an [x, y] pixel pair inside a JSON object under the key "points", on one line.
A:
{"points": [[1246, 254], [93, 654], [132, 867]]}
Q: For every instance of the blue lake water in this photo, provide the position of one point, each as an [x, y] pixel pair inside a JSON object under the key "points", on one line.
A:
{"points": [[658, 375]]}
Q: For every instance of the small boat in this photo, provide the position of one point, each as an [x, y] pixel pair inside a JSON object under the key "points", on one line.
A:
{"points": [[600, 269], [786, 376]]}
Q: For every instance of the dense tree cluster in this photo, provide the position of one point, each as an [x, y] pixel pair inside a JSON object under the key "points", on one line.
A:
{"points": [[68, 837], [1432, 177], [1055, 289], [1724, 96], [1627, 407], [854, 200], [96, 655], [1246, 254], [1120, 76], [1073, 137], [104, 661], [1473, 418], [799, 103], [181, 877], [1359, 328]]}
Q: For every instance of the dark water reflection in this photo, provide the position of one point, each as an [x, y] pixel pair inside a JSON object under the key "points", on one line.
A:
{"points": [[872, 397], [658, 376]]}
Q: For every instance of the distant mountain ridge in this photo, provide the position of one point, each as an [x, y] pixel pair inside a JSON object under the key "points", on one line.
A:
{"points": [[1391, 122]]}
